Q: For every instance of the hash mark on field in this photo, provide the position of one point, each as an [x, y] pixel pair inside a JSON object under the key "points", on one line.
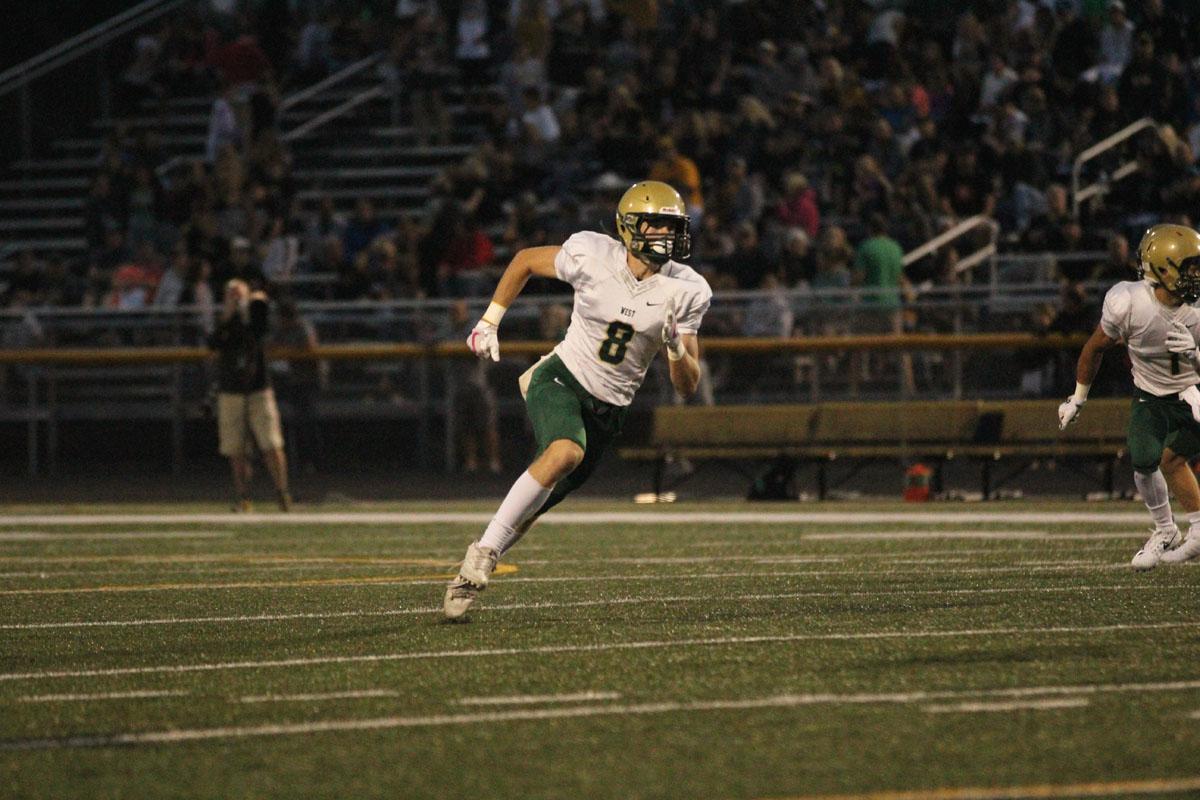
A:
{"points": [[475, 718], [347, 695], [1019, 705], [593, 648], [531, 699], [70, 698], [615, 601]]}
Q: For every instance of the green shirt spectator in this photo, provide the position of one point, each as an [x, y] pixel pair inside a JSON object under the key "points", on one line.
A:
{"points": [[879, 266]]}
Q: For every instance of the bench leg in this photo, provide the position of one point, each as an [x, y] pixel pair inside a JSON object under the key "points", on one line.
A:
{"points": [[987, 479], [660, 471], [822, 480]]}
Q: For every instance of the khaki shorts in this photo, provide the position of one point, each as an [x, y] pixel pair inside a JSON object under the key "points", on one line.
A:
{"points": [[240, 414]]}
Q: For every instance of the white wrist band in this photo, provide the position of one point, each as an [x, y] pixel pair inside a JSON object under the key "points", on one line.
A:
{"points": [[494, 313], [1081, 393]]}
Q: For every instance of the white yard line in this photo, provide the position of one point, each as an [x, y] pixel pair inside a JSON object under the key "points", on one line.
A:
{"points": [[999, 517], [72, 698], [535, 699], [1041, 791], [45, 536], [426, 580], [884, 536], [1016, 705], [633, 709], [593, 648], [615, 601], [290, 698]]}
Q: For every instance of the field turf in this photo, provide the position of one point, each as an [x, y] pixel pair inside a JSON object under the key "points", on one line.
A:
{"points": [[724, 651]]}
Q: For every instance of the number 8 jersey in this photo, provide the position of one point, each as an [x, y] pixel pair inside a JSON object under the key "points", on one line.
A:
{"points": [[1134, 316], [616, 324]]}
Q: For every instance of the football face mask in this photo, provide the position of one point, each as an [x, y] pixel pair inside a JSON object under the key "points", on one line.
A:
{"points": [[658, 238]]}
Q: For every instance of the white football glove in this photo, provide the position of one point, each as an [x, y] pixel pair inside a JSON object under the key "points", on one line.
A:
{"points": [[670, 334], [1181, 342], [1068, 411], [484, 340]]}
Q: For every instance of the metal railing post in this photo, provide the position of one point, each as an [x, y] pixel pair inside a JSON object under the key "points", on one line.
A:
{"points": [[26, 124], [105, 85], [450, 388], [424, 422], [177, 420], [32, 422]]}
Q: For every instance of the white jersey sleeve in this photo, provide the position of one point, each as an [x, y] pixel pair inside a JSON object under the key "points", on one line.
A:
{"points": [[692, 303], [1114, 319], [571, 261]]}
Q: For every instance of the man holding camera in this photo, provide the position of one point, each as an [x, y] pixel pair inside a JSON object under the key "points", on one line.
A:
{"points": [[245, 401]]}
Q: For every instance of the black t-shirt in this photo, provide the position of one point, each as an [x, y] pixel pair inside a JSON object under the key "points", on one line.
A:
{"points": [[241, 361]]}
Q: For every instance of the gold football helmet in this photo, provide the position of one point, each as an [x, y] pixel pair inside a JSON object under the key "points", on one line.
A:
{"points": [[1170, 256], [654, 204]]}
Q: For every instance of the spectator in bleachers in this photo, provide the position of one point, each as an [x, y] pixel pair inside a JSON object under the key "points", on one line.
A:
{"points": [[224, 129], [1116, 41], [678, 170], [1117, 266], [362, 229]]}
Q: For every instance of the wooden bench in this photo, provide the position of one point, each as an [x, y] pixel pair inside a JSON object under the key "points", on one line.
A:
{"points": [[1021, 431]]}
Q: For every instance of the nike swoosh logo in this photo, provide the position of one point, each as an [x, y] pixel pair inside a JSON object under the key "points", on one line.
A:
{"points": [[653, 304], [560, 383], [1140, 399]]}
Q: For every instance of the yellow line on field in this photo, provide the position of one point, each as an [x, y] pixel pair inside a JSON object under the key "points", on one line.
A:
{"points": [[501, 569], [231, 558], [1047, 790]]}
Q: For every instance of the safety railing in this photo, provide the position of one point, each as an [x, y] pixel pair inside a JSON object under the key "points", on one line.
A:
{"points": [[1081, 194], [296, 98], [985, 250], [431, 374]]}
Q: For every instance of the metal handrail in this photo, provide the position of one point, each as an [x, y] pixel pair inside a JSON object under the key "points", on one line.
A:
{"points": [[1078, 195], [835, 296], [334, 113], [961, 229], [334, 79], [95, 37], [100, 357], [294, 99]]}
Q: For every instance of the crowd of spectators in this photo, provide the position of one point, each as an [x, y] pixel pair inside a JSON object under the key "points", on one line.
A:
{"points": [[813, 142]]}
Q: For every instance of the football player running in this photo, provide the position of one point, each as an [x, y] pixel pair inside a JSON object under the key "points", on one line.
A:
{"points": [[1154, 318], [632, 298]]}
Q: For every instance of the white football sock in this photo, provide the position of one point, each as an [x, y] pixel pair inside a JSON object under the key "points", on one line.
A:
{"points": [[524, 499], [1153, 489]]}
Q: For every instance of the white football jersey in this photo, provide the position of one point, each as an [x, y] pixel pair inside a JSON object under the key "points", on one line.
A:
{"points": [[616, 324], [1133, 315]]}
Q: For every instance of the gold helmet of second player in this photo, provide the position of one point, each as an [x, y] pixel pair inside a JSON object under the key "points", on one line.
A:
{"points": [[654, 204], [1170, 256]]}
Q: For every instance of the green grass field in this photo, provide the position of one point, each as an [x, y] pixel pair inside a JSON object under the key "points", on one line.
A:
{"points": [[868, 650]]}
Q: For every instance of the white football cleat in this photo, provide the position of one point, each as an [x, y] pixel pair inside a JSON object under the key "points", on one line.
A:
{"points": [[472, 579], [1160, 541], [1189, 549]]}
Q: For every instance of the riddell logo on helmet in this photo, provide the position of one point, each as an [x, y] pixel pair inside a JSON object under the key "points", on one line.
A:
{"points": [[670, 210]]}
